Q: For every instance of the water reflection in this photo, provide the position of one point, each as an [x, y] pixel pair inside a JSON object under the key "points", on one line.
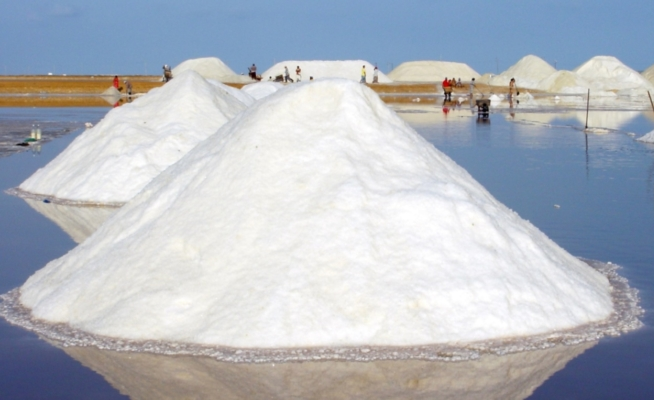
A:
{"points": [[606, 119], [150, 376], [79, 222]]}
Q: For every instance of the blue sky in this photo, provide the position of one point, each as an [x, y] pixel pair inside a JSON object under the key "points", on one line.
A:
{"points": [[135, 37]]}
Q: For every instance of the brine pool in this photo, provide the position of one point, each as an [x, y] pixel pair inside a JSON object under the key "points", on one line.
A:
{"points": [[591, 192]]}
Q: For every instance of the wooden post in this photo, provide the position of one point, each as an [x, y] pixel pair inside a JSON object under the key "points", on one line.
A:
{"points": [[587, 106], [650, 100]]}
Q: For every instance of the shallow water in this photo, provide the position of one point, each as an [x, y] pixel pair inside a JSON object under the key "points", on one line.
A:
{"points": [[592, 194]]}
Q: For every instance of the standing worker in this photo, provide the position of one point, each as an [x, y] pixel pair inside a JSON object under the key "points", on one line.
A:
{"points": [[253, 71], [128, 88], [298, 74], [472, 87], [287, 75], [375, 75], [363, 74], [116, 82], [447, 89], [511, 87]]}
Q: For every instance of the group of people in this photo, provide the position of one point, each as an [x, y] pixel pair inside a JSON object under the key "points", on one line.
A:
{"points": [[375, 75], [128, 85]]}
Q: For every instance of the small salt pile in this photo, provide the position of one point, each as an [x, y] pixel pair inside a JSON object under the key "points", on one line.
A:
{"points": [[336, 225], [211, 68]]}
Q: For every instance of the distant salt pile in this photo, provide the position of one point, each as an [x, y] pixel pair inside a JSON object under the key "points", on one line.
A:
{"points": [[528, 72], [337, 225], [115, 159], [260, 90], [649, 74], [432, 71], [610, 74], [319, 69], [211, 68], [567, 82]]}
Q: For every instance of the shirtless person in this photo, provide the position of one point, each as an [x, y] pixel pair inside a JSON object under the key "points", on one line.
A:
{"points": [[511, 87]]}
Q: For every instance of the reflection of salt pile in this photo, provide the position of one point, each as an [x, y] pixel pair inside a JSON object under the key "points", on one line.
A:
{"points": [[260, 90], [319, 69], [150, 376], [606, 119], [211, 68], [337, 225], [609, 74], [432, 71], [528, 72], [115, 159], [78, 222]]}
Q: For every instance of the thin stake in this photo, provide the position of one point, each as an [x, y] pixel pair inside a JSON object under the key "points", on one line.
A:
{"points": [[587, 106], [650, 100]]}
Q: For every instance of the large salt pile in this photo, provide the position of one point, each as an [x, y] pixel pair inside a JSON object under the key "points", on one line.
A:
{"points": [[528, 72], [336, 225], [260, 90], [115, 159], [319, 69], [649, 74], [211, 68], [610, 74], [432, 71]]}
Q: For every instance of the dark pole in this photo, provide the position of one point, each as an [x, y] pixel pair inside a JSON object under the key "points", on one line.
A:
{"points": [[587, 106], [650, 100]]}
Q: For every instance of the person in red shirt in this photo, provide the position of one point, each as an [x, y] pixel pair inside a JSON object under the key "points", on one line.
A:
{"points": [[116, 82], [447, 89]]}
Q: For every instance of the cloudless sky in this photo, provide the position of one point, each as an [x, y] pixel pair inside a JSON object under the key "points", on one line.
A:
{"points": [[137, 37]]}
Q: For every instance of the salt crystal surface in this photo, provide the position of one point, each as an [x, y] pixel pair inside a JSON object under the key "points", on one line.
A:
{"points": [[432, 71], [336, 225], [115, 159]]}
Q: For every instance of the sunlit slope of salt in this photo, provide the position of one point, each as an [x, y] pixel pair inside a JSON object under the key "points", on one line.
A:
{"points": [[609, 73], [260, 90], [115, 159], [337, 225], [528, 72]]}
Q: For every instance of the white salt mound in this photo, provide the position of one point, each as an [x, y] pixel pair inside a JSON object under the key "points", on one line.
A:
{"points": [[432, 71], [609, 73], [319, 69], [211, 68], [115, 159], [648, 138], [649, 74], [336, 225], [528, 72], [567, 82], [260, 90]]}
